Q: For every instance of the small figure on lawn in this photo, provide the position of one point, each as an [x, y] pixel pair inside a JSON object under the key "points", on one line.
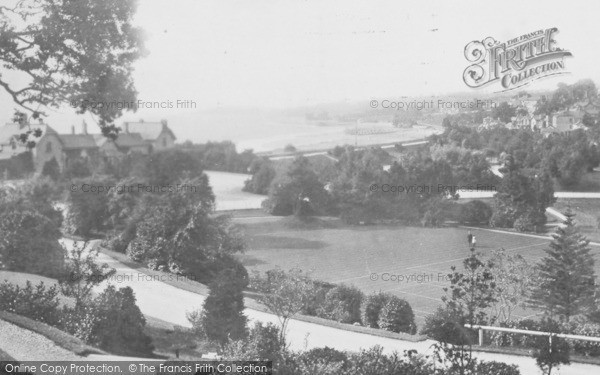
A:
{"points": [[470, 239]]}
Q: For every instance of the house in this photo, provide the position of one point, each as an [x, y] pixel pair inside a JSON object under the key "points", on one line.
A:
{"points": [[156, 134], [565, 120], [11, 144], [66, 148], [524, 122], [489, 123]]}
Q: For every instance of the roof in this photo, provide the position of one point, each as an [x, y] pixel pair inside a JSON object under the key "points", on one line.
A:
{"points": [[130, 140], [77, 141], [10, 130], [149, 131]]}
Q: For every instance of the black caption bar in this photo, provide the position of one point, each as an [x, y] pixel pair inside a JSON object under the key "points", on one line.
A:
{"points": [[136, 367]]}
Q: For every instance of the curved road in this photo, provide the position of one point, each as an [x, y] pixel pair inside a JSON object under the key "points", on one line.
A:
{"points": [[171, 304]]}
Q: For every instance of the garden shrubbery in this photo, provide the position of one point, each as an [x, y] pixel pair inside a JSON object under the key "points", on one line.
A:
{"points": [[576, 327], [112, 321], [37, 302]]}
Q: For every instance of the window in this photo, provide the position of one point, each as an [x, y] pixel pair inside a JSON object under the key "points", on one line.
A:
{"points": [[164, 142], [48, 147]]}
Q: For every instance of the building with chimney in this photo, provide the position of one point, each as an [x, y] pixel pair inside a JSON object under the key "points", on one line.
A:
{"points": [[140, 137], [156, 134]]}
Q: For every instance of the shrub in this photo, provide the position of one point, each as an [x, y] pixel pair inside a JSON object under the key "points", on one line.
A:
{"points": [[447, 325], [583, 327], [397, 316], [87, 211], [263, 343], [290, 148], [79, 322], [342, 304], [118, 323], [372, 307], [30, 243], [222, 317], [316, 297], [496, 368], [78, 167], [37, 303], [262, 176], [475, 212], [266, 341], [325, 358], [549, 356], [373, 361], [524, 223], [51, 169]]}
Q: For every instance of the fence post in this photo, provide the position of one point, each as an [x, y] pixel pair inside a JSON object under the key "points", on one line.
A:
{"points": [[550, 341], [480, 336]]}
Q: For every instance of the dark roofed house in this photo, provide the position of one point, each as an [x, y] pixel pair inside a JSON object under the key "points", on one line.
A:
{"points": [[132, 142], [156, 134], [65, 148]]}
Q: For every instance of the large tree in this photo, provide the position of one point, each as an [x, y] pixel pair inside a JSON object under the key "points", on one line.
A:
{"points": [[222, 317], [76, 52], [567, 283], [298, 192]]}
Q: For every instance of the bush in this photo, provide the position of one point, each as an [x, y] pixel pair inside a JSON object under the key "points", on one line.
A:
{"points": [[549, 356], [325, 358], [373, 361], [37, 303], [262, 176], [118, 323], [79, 322], [51, 169], [586, 348], [397, 316], [316, 297], [290, 148], [30, 243], [446, 325], [342, 304], [87, 211], [222, 317], [496, 368], [516, 340], [262, 344], [475, 212], [372, 307]]}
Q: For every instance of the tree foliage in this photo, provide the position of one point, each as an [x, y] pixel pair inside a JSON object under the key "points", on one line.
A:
{"points": [[82, 273], [397, 316], [284, 293], [298, 192], [567, 282], [222, 317], [514, 278], [74, 52]]}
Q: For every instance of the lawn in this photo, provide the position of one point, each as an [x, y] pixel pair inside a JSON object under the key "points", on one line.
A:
{"points": [[227, 188], [587, 215], [410, 262]]}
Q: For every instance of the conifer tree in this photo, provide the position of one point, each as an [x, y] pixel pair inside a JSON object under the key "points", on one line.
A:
{"points": [[567, 282]]}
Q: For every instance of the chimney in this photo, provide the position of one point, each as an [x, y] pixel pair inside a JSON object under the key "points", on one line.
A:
{"points": [[84, 127], [72, 129], [126, 125], [164, 123]]}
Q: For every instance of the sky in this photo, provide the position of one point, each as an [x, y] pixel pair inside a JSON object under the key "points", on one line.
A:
{"points": [[280, 54]]}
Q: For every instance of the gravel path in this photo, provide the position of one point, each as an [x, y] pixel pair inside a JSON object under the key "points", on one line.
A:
{"points": [[24, 345]]}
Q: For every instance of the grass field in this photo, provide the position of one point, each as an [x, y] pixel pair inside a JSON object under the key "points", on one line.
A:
{"points": [[227, 188], [410, 262], [587, 215]]}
